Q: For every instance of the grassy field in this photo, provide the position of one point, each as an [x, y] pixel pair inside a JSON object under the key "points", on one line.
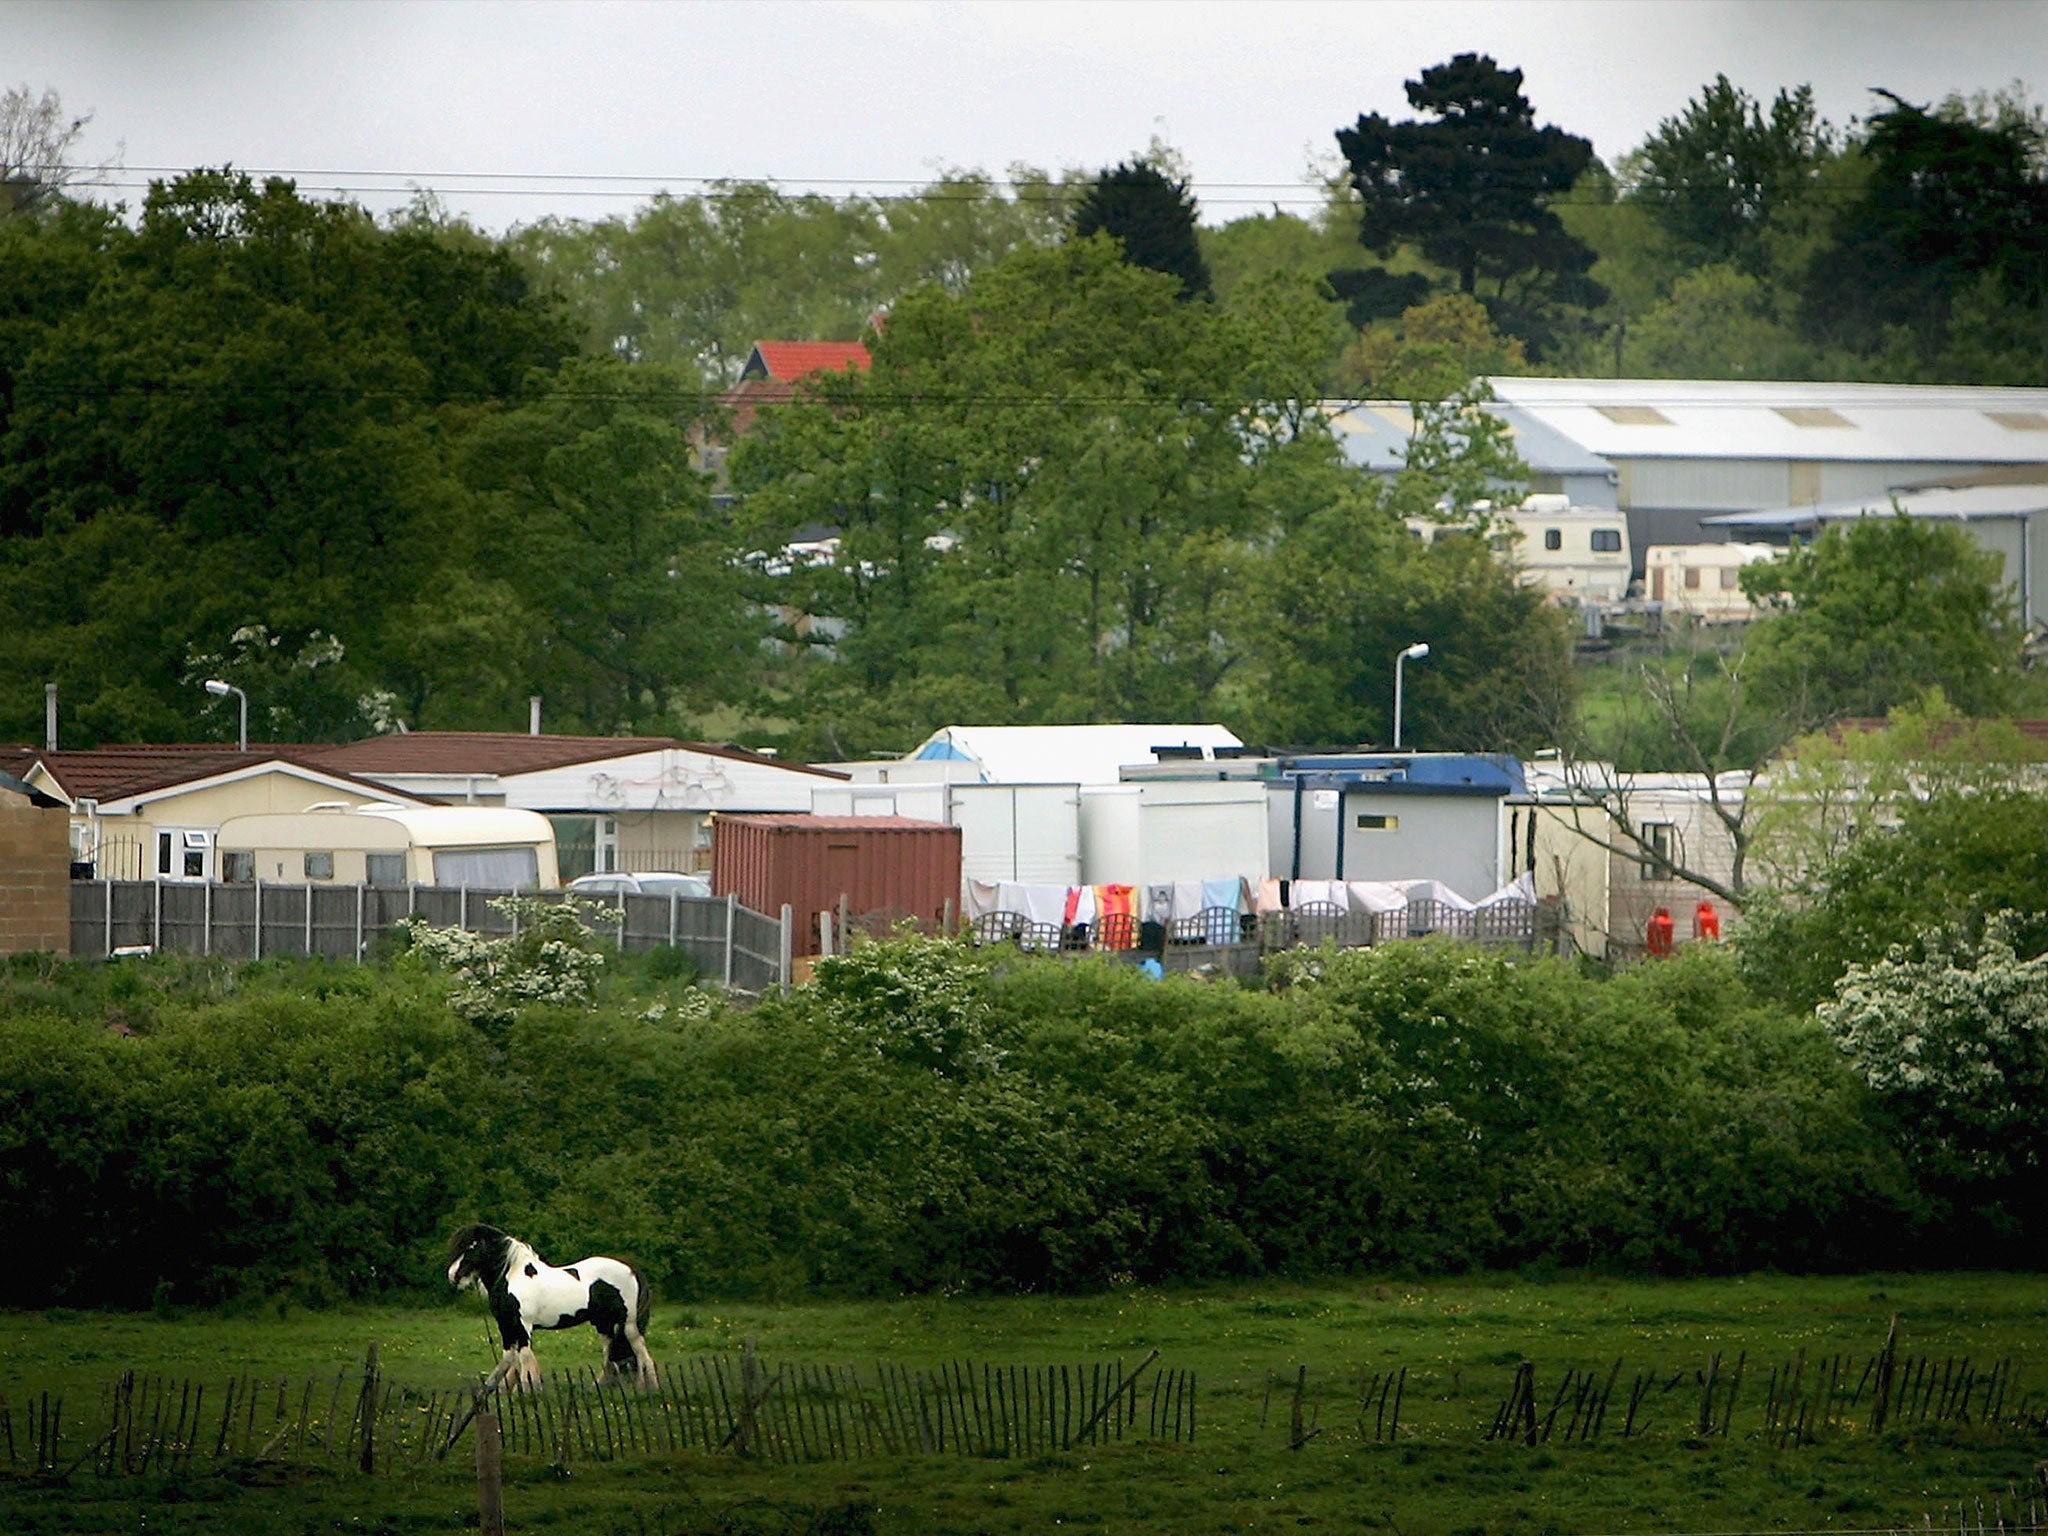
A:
{"points": [[1459, 1340]]}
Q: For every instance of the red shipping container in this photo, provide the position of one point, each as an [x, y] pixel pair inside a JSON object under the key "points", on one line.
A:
{"points": [[876, 863]]}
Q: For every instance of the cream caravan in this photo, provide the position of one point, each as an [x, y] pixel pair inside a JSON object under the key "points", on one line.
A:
{"points": [[1576, 554], [479, 847], [1702, 581]]}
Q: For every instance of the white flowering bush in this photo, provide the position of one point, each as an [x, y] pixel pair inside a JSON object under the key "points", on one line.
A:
{"points": [[914, 1000], [1953, 1037], [549, 958]]}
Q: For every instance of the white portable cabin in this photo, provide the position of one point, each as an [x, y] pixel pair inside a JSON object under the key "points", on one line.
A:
{"points": [[480, 847], [1702, 581], [1026, 833], [1154, 833]]}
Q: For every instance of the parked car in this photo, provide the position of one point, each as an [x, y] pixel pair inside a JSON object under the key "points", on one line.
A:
{"points": [[623, 884]]}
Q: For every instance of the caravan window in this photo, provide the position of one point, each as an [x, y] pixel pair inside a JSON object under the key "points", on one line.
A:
{"points": [[490, 869], [1607, 541], [384, 868], [1553, 538], [237, 867], [319, 866]]}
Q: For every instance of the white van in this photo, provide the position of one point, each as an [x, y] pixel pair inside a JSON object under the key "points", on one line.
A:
{"points": [[480, 847]]}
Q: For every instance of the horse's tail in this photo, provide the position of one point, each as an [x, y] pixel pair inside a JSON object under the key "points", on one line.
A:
{"points": [[643, 1300]]}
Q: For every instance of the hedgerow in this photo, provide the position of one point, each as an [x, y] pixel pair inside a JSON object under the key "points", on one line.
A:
{"points": [[923, 1117]]}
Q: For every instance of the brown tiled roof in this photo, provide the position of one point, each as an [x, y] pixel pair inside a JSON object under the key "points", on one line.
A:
{"points": [[117, 772], [508, 752]]}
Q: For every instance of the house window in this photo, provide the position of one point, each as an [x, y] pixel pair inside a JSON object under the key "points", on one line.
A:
{"points": [[1553, 538], [1367, 823], [182, 853], [319, 866], [1660, 840], [1606, 541], [384, 868]]}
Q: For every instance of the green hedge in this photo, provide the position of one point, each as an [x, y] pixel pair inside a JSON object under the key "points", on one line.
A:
{"points": [[925, 1117]]}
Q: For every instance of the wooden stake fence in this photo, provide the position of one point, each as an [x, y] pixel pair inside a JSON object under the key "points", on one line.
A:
{"points": [[713, 1404]]}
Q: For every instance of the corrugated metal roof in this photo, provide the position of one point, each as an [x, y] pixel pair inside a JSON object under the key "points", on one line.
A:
{"points": [[1065, 754], [1959, 502], [1375, 436], [1743, 419]]}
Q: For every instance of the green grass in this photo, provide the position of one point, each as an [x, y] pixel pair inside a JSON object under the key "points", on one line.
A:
{"points": [[1459, 1339]]}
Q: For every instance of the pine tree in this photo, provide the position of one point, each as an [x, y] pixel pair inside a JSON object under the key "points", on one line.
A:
{"points": [[1153, 217]]}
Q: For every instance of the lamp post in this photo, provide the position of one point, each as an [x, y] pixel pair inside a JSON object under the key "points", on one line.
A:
{"points": [[221, 690], [1414, 652]]}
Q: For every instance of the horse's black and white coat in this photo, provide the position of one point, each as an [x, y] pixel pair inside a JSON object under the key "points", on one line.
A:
{"points": [[526, 1294]]}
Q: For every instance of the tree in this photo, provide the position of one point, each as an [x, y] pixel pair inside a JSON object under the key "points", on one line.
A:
{"points": [[693, 281], [1716, 174], [1469, 191], [36, 150], [1877, 611], [1348, 586], [1953, 1042], [1718, 322], [1948, 199], [1435, 351], [1045, 492], [1151, 216], [237, 417], [603, 530]]}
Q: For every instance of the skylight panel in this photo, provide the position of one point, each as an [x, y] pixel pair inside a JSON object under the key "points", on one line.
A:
{"points": [[1814, 416], [2020, 421], [1634, 415]]}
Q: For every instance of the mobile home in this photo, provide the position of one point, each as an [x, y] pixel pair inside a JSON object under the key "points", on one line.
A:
{"points": [[481, 847]]}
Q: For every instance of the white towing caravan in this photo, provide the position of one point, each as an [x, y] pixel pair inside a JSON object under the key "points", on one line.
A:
{"points": [[480, 847]]}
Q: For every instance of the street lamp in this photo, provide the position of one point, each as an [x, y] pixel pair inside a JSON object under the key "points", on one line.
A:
{"points": [[1414, 652], [221, 690]]}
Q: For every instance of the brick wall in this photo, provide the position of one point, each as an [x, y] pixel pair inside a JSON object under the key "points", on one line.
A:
{"points": [[35, 876]]}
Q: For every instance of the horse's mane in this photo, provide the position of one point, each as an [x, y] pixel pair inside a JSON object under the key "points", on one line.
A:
{"points": [[483, 1232]]}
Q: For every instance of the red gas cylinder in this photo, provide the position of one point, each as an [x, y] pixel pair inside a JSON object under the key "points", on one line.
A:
{"points": [[1661, 933], [1706, 922]]}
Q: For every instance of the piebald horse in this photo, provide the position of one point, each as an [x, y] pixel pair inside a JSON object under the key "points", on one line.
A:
{"points": [[527, 1294]]}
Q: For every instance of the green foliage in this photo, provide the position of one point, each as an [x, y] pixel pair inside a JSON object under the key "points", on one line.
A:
{"points": [[692, 282], [1880, 610], [1434, 353], [1948, 200], [1469, 191], [1716, 174], [1952, 1037], [1949, 861], [1047, 491], [624, 601], [923, 1117], [1152, 217], [233, 421]]}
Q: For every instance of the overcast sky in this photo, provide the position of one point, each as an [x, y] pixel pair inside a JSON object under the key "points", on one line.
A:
{"points": [[488, 102]]}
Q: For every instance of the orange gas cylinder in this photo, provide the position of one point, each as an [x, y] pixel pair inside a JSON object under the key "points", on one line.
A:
{"points": [[1661, 933], [1706, 922]]}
